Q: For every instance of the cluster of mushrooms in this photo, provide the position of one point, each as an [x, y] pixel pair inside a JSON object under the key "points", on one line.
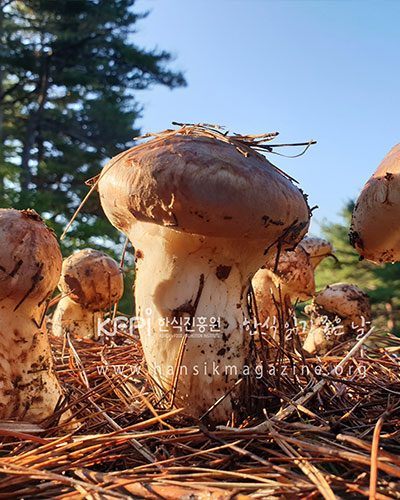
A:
{"points": [[337, 313], [207, 219]]}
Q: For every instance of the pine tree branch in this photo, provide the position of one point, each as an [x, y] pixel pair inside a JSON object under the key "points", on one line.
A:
{"points": [[75, 135]]}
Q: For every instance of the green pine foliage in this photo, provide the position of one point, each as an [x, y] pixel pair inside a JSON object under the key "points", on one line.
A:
{"points": [[70, 71], [381, 282]]}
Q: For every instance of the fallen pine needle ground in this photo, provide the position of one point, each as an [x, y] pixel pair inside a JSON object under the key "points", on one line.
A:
{"points": [[321, 434]]}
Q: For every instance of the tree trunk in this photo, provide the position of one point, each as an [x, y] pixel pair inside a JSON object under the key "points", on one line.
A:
{"points": [[34, 122], [29, 141]]}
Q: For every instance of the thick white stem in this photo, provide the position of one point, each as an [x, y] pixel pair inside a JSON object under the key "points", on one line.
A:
{"points": [[29, 389], [191, 291]]}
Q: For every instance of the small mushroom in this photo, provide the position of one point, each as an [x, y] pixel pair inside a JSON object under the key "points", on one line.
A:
{"points": [[91, 281], [374, 229], [293, 281], [204, 216], [318, 249], [30, 265], [293, 278], [338, 313]]}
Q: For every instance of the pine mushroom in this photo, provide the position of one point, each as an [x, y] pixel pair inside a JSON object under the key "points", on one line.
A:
{"points": [[202, 212], [291, 281], [30, 265], [338, 313], [292, 277], [373, 232], [318, 249], [92, 282]]}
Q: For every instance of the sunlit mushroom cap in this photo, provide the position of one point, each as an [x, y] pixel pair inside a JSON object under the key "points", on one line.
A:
{"points": [[30, 258], [296, 274], [317, 248], [374, 228], [92, 279], [345, 300], [206, 186]]}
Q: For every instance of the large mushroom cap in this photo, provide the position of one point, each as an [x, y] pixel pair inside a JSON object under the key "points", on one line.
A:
{"points": [[204, 211], [92, 279], [202, 185], [30, 258], [374, 229]]}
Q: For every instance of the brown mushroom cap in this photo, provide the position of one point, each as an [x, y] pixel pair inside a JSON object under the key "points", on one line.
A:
{"points": [[294, 277], [204, 186], [317, 248], [92, 279], [296, 274], [339, 312], [374, 229], [30, 258], [345, 300]]}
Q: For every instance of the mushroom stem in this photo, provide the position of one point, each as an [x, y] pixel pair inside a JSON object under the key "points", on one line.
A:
{"points": [[32, 387], [196, 286], [270, 308]]}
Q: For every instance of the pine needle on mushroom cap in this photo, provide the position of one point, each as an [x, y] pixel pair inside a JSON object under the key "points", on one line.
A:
{"points": [[244, 144]]}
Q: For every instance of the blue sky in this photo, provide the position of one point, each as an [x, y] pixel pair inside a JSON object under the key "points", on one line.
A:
{"points": [[324, 70]]}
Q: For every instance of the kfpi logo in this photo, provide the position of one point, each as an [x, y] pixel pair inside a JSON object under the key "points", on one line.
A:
{"points": [[126, 326]]}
